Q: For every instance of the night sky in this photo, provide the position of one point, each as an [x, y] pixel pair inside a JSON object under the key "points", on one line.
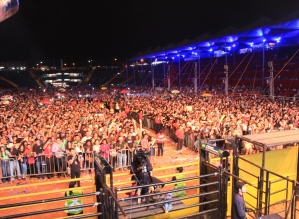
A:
{"points": [[103, 30]]}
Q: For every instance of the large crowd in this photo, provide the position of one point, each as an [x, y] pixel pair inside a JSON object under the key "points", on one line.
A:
{"points": [[38, 136]]}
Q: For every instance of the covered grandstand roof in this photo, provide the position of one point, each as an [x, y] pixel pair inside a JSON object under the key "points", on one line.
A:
{"points": [[262, 31], [274, 138]]}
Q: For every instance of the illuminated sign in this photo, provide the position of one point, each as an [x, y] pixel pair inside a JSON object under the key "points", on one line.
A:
{"points": [[212, 149]]}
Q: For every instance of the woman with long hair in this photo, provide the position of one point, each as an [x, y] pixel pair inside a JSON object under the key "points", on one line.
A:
{"points": [[22, 159], [105, 149], [96, 146], [88, 155], [30, 159], [49, 159]]}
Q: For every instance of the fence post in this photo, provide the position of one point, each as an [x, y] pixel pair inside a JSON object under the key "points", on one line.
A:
{"points": [[293, 207], [94, 190], [111, 208], [103, 207], [260, 186], [257, 211], [115, 210], [222, 194], [267, 197]]}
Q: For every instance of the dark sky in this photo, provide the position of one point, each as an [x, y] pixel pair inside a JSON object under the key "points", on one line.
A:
{"points": [[105, 29]]}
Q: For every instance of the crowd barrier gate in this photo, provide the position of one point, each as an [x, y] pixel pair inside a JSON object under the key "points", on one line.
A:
{"points": [[41, 166]]}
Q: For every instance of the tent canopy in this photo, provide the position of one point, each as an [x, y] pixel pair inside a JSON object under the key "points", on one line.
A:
{"points": [[263, 31], [273, 138]]}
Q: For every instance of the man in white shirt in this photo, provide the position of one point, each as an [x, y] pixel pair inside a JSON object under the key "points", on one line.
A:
{"points": [[58, 151], [86, 137]]}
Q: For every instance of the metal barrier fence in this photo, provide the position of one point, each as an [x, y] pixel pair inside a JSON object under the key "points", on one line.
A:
{"points": [[157, 198], [49, 165], [97, 202], [274, 186], [45, 165], [120, 159], [46, 206]]}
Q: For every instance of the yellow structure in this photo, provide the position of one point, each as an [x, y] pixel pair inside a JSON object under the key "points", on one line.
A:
{"points": [[281, 162]]}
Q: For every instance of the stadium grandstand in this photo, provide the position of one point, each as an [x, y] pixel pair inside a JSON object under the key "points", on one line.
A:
{"points": [[246, 52]]}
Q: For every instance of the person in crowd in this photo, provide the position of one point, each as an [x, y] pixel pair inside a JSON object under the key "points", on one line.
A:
{"points": [[13, 161], [239, 209], [77, 144], [197, 143], [40, 158], [145, 144], [74, 161], [88, 155], [160, 138], [121, 147], [96, 146], [5, 166], [30, 159], [137, 140], [180, 134], [113, 155], [158, 122], [69, 145], [88, 136], [73, 202], [105, 149], [131, 147], [22, 160], [167, 206], [58, 149], [179, 185], [49, 158]]}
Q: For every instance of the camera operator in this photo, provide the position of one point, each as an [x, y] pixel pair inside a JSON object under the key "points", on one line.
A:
{"points": [[142, 167], [74, 161]]}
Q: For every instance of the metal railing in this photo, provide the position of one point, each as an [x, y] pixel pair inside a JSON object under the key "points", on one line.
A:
{"points": [[44, 204], [265, 191], [45, 165], [210, 199]]}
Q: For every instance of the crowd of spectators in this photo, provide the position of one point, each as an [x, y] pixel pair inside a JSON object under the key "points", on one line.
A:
{"points": [[36, 138]]}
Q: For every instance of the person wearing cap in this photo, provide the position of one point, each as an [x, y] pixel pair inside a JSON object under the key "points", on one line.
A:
{"points": [[239, 209]]}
